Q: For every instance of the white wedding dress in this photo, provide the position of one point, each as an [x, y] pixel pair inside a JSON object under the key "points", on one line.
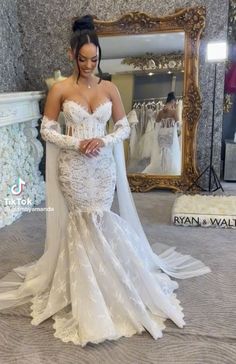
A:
{"points": [[146, 140], [166, 152], [98, 278]]}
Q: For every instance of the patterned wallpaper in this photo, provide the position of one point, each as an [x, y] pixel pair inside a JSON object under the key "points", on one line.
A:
{"points": [[12, 76]]}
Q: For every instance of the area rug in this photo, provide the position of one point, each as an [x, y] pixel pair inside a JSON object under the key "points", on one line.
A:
{"points": [[205, 210]]}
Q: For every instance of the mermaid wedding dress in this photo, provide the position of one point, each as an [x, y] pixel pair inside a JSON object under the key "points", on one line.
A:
{"points": [[98, 277]]}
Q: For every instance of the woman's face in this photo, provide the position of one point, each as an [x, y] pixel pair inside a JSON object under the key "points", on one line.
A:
{"points": [[87, 59]]}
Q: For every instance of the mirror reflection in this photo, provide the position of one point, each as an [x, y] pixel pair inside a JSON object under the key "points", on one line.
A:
{"points": [[148, 70]]}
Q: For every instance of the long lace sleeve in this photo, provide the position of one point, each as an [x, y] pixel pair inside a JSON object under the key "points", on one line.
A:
{"points": [[51, 132], [120, 133]]}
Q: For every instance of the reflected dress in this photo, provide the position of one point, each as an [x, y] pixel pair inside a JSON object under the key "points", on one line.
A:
{"points": [[166, 152]]}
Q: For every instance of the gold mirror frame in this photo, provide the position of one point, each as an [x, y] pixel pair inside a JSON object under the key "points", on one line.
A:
{"points": [[192, 22]]}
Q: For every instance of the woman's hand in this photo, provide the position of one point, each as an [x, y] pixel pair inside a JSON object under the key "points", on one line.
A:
{"points": [[91, 147]]}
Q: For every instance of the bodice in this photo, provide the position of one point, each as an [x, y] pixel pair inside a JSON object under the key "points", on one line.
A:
{"points": [[84, 125], [167, 128], [167, 122]]}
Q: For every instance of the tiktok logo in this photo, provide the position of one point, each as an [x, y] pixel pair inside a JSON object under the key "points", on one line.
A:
{"points": [[18, 187]]}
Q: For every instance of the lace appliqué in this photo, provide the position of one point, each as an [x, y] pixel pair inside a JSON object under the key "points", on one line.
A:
{"points": [[121, 132], [88, 184], [86, 125], [51, 132], [97, 218], [166, 132]]}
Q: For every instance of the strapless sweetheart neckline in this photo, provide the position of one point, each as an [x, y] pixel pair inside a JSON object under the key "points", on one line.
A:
{"points": [[84, 107]]}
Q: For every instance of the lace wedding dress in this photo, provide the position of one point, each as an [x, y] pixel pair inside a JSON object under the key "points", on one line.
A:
{"points": [[166, 153], [98, 277]]}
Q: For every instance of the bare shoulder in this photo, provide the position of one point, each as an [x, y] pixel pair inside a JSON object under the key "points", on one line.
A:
{"points": [[64, 84], [59, 89], [111, 89], [108, 84]]}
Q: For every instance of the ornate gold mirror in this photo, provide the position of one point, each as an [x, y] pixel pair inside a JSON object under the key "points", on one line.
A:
{"points": [[148, 57]]}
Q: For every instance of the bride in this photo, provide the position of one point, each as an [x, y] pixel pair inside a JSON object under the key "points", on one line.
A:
{"points": [[98, 277]]}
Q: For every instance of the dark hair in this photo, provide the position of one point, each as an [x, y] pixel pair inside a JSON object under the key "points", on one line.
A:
{"points": [[84, 33], [170, 97]]}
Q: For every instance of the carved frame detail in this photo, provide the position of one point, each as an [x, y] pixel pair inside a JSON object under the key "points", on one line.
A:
{"points": [[192, 22], [173, 62], [228, 99]]}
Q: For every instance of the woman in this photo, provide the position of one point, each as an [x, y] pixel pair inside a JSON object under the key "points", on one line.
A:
{"points": [[98, 277], [166, 153]]}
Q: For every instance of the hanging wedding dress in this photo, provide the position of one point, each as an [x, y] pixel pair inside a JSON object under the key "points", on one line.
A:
{"points": [[98, 277], [166, 153], [133, 142], [136, 121], [146, 140]]}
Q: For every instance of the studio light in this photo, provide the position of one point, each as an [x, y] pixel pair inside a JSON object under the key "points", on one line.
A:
{"points": [[216, 52]]}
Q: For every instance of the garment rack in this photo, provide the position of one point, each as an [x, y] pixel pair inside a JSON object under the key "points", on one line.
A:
{"points": [[155, 99]]}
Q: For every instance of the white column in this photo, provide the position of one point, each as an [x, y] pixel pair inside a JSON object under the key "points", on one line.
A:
{"points": [[173, 83]]}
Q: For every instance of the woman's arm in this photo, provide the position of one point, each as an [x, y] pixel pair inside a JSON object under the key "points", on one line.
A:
{"points": [[176, 115], [118, 111], [121, 124], [53, 102], [50, 128]]}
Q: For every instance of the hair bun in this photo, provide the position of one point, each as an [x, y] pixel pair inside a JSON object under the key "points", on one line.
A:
{"points": [[85, 22], [171, 94]]}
